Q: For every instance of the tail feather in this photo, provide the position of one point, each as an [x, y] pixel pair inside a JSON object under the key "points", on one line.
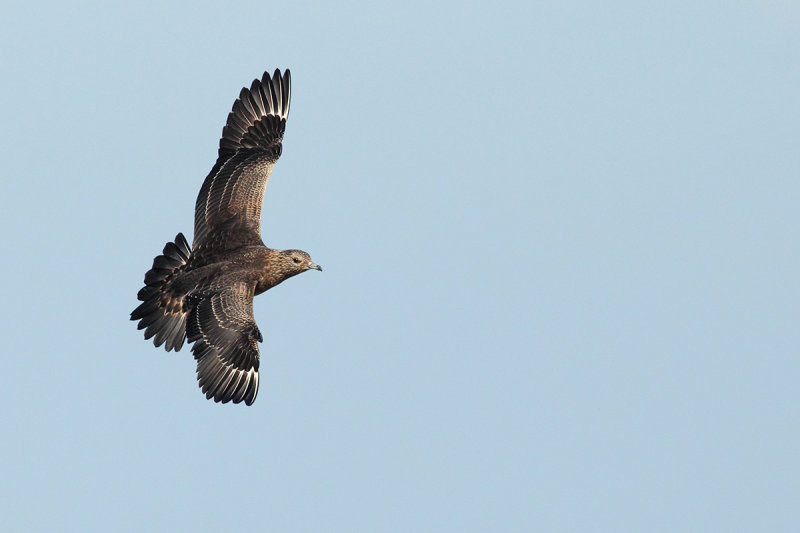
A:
{"points": [[162, 314]]}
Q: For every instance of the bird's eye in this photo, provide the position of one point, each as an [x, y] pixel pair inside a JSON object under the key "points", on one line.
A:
{"points": [[296, 260]]}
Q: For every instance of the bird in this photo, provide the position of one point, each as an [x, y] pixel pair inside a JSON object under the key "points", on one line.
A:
{"points": [[203, 293]]}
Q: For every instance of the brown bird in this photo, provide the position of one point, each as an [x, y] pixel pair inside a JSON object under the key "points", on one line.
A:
{"points": [[205, 293]]}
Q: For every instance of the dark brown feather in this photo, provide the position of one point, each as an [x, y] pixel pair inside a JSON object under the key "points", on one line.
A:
{"points": [[225, 337], [249, 147], [162, 314]]}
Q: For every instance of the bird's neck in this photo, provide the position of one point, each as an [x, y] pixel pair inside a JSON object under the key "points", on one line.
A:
{"points": [[271, 272]]}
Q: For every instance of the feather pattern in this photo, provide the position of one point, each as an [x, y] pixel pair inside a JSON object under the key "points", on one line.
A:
{"points": [[249, 147], [225, 337], [162, 313]]}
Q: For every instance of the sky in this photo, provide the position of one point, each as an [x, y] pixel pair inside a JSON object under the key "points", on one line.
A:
{"points": [[560, 288]]}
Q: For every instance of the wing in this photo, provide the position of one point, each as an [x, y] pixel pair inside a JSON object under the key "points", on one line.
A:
{"points": [[230, 199], [226, 338]]}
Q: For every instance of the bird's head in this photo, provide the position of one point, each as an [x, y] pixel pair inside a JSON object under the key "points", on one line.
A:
{"points": [[294, 262]]}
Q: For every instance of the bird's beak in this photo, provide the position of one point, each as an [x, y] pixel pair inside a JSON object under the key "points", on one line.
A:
{"points": [[315, 267]]}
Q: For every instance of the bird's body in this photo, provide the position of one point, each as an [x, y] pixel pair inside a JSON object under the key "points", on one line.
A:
{"points": [[204, 293]]}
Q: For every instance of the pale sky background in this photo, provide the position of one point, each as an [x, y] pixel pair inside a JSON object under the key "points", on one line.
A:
{"points": [[560, 243]]}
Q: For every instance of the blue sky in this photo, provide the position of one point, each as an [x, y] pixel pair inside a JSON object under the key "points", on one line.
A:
{"points": [[561, 267]]}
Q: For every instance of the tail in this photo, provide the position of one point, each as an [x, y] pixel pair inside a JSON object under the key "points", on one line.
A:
{"points": [[163, 312]]}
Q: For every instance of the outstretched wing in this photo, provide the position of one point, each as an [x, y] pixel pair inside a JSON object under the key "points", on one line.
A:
{"points": [[228, 208], [225, 337]]}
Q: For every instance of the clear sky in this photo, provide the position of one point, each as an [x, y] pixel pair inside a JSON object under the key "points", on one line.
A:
{"points": [[560, 251]]}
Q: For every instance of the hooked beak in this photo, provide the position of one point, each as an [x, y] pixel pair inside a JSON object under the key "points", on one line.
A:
{"points": [[315, 267]]}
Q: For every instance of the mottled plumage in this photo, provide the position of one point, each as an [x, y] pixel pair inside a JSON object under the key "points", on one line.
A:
{"points": [[204, 294]]}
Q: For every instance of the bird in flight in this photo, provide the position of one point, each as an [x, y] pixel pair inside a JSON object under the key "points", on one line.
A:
{"points": [[204, 293]]}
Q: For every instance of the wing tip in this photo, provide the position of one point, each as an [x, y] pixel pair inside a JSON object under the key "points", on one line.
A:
{"points": [[269, 96], [228, 385]]}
